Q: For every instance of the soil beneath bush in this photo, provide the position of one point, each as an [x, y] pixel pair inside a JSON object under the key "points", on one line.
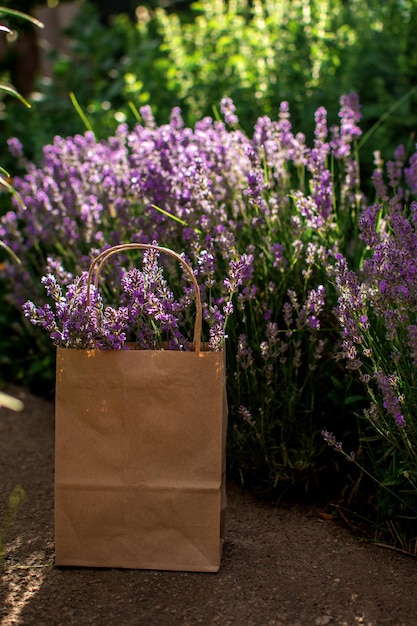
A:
{"points": [[290, 565]]}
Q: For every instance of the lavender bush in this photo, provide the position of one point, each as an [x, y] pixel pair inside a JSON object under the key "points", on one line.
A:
{"points": [[377, 311], [261, 220], [313, 285]]}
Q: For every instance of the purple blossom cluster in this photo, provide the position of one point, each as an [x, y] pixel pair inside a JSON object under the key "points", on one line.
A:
{"points": [[75, 323], [148, 318], [377, 307], [256, 217], [388, 386], [90, 194], [331, 440]]}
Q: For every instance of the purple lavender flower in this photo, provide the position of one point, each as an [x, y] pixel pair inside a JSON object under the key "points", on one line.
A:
{"points": [[379, 184], [391, 403], [349, 130], [412, 342], [228, 110], [245, 353], [16, 150], [73, 324], [240, 272], [410, 173], [284, 125], [368, 224], [395, 169], [40, 316], [256, 183], [246, 415], [331, 440], [312, 308], [277, 250], [320, 131]]}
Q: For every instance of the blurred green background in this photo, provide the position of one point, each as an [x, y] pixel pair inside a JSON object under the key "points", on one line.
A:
{"points": [[117, 56]]}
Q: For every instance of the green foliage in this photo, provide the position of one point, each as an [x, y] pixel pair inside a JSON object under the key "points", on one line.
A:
{"points": [[87, 73], [307, 53], [258, 53]]}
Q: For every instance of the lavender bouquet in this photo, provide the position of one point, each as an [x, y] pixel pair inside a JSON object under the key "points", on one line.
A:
{"points": [[77, 323], [149, 316]]}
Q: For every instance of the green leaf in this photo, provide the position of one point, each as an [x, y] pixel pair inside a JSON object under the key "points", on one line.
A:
{"points": [[134, 111], [80, 112], [22, 16], [173, 217], [12, 92], [12, 190], [10, 251], [353, 399]]}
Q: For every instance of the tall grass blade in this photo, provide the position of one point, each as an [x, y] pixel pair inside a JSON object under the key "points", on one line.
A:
{"points": [[80, 112]]}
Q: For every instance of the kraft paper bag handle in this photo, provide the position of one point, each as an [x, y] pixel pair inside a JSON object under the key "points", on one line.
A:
{"points": [[97, 265]]}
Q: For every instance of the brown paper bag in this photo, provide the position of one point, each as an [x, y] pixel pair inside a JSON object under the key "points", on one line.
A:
{"points": [[140, 455]]}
